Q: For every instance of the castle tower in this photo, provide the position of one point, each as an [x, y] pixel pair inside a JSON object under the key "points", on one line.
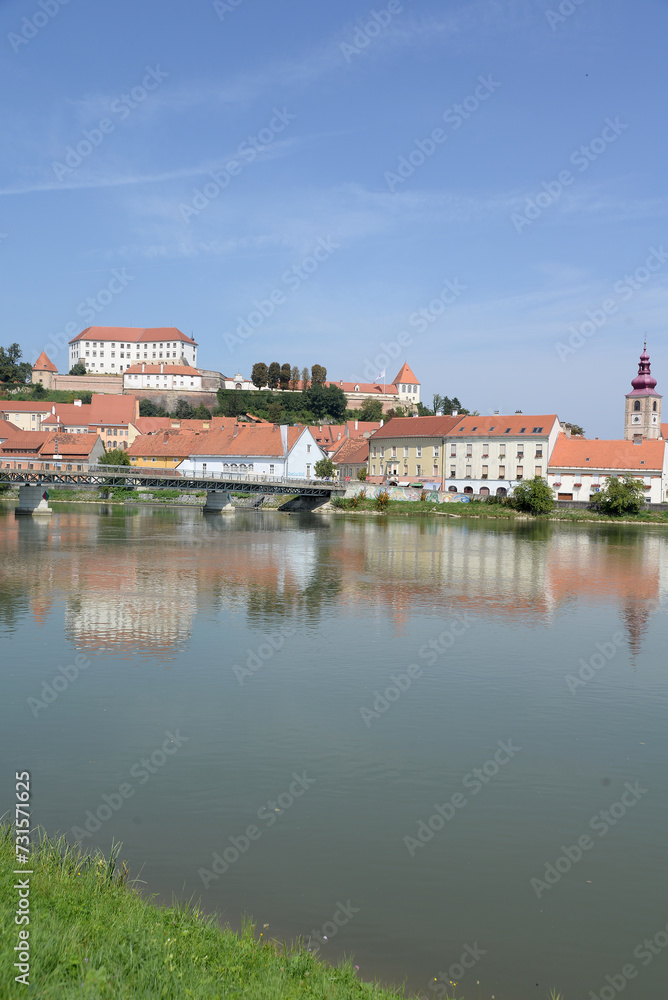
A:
{"points": [[642, 420], [43, 371]]}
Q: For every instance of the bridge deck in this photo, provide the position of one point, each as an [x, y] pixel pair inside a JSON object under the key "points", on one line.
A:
{"points": [[134, 476]]}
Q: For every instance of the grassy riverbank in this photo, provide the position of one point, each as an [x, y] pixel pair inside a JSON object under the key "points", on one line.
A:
{"points": [[94, 937]]}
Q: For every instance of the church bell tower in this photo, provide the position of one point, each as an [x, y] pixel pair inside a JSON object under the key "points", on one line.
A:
{"points": [[642, 419]]}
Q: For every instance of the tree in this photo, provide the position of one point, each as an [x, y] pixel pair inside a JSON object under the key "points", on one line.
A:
{"points": [[575, 429], [621, 496], [275, 411], [396, 411], [202, 413], [318, 375], [325, 468], [147, 408], [274, 375], [184, 410], [12, 369], [284, 376], [294, 378], [260, 374], [115, 457], [78, 369], [306, 379], [372, 409], [533, 496], [361, 475], [38, 390]]}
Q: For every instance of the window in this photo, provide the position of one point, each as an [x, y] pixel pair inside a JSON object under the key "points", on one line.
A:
{"points": [[520, 453], [538, 470], [418, 470], [453, 471], [537, 430], [418, 452], [394, 451], [271, 470], [308, 447], [636, 405], [453, 451], [373, 470], [484, 471], [520, 472], [654, 406], [435, 469], [469, 450], [468, 471], [485, 451], [435, 451], [522, 430], [502, 472], [539, 451], [507, 431], [406, 451]]}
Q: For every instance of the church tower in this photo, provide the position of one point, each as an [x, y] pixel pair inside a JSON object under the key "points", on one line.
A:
{"points": [[643, 405]]}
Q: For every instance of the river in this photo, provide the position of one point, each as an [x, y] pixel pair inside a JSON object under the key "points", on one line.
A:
{"points": [[437, 745]]}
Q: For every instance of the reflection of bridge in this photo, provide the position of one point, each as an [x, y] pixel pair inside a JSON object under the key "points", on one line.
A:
{"points": [[218, 486]]}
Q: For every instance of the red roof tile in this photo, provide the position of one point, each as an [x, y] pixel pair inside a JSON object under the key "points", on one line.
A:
{"points": [[416, 427], [499, 426], [354, 451], [164, 369], [132, 334], [405, 375], [44, 364], [582, 454]]}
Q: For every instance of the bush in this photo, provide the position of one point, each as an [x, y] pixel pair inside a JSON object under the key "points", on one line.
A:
{"points": [[621, 496], [361, 475], [382, 500], [423, 496], [533, 497], [114, 457], [324, 468], [339, 503]]}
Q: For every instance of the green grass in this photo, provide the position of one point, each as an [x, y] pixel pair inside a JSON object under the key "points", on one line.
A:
{"points": [[93, 936], [480, 508]]}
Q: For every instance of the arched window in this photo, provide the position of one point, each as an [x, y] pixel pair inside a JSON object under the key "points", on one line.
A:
{"points": [[636, 405], [654, 406], [452, 489]]}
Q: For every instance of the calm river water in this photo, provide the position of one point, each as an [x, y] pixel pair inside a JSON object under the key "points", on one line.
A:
{"points": [[265, 644]]}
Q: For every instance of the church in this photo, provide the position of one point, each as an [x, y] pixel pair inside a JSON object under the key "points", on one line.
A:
{"points": [[579, 468]]}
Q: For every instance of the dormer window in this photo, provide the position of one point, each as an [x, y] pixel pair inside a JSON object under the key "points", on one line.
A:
{"points": [[357, 388]]}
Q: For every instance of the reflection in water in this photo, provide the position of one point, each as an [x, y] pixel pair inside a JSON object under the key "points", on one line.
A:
{"points": [[135, 579]]}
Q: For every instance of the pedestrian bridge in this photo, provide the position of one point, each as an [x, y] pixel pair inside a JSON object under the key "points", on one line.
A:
{"points": [[33, 483]]}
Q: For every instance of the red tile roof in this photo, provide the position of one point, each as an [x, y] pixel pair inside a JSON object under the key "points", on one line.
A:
{"points": [[44, 443], [353, 451], [151, 425], [416, 427], [499, 426], [69, 415], [170, 444], [579, 453], [113, 409], [405, 375], [44, 364], [23, 406], [249, 440], [164, 369], [132, 334]]}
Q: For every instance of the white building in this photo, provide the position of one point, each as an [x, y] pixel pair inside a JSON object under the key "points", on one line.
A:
{"points": [[255, 449], [113, 349], [162, 376], [579, 468]]}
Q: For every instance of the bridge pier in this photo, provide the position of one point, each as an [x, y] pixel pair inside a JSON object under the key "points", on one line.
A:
{"points": [[218, 502], [32, 501]]}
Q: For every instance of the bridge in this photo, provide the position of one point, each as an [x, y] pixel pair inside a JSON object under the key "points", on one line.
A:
{"points": [[32, 484]]}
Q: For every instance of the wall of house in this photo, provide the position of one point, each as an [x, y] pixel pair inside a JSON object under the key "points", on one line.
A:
{"points": [[88, 383], [303, 456]]}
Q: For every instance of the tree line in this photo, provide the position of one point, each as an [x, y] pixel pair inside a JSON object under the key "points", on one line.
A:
{"points": [[286, 376]]}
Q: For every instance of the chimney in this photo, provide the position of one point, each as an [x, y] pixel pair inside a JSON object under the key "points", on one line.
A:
{"points": [[77, 402], [356, 425], [162, 367], [518, 411], [143, 366], [496, 413], [381, 423], [455, 413]]}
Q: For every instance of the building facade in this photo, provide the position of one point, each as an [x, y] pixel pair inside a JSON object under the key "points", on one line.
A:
{"points": [[260, 450], [162, 376], [113, 349]]}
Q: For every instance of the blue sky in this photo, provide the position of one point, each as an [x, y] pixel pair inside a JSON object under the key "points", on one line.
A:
{"points": [[304, 112]]}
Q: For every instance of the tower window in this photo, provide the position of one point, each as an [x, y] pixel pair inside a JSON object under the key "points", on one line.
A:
{"points": [[636, 405], [654, 406]]}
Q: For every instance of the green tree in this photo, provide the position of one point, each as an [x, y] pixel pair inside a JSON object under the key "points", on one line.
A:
{"points": [[372, 409], [575, 429], [259, 374], [336, 403], [294, 378], [78, 369], [306, 379], [284, 376], [202, 413], [115, 457], [396, 411], [147, 408], [318, 375], [325, 468], [361, 475], [275, 411], [38, 391], [533, 496], [184, 410], [621, 496], [12, 369], [274, 375]]}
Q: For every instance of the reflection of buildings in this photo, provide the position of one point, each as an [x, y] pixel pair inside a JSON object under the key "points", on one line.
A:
{"points": [[134, 581]]}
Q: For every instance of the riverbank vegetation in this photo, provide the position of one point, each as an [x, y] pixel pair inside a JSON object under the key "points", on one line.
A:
{"points": [[94, 936]]}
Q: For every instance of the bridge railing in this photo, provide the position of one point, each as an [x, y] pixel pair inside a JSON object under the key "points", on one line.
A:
{"points": [[205, 477]]}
